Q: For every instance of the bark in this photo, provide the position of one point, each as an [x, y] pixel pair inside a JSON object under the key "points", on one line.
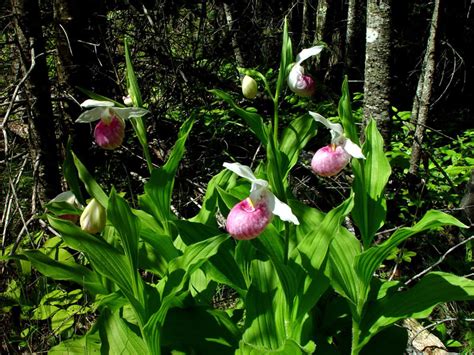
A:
{"points": [[377, 65], [421, 102], [355, 32], [80, 64], [235, 44], [41, 124]]}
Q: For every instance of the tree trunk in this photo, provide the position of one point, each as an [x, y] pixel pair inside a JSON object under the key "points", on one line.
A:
{"points": [[41, 124], [354, 46], [421, 102], [235, 44], [377, 65], [80, 64]]}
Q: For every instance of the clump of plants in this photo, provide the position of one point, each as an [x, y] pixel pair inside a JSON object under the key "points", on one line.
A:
{"points": [[303, 282]]}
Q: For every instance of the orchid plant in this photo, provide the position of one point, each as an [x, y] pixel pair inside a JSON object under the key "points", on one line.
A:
{"points": [[303, 282]]}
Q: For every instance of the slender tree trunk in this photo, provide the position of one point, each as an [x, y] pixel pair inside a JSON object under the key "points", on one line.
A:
{"points": [[80, 64], [41, 125], [235, 44], [421, 102], [377, 65], [355, 33]]}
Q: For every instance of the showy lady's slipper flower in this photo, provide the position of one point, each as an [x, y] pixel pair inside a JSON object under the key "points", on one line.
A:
{"points": [[110, 130], [93, 217], [249, 87], [299, 82], [248, 218], [331, 159]]}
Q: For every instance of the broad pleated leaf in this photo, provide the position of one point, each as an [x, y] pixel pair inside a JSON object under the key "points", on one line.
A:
{"points": [[118, 336], [253, 120], [105, 259], [87, 344], [207, 212], [340, 266], [417, 302], [200, 330], [371, 176], [132, 83], [65, 271], [92, 187], [265, 305], [285, 60], [295, 137], [70, 174], [368, 262], [159, 189]]}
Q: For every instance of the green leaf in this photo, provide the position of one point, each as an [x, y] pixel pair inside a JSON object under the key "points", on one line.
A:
{"points": [[92, 187], [295, 137], [158, 190], [285, 60], [368, 262], [61, 321], [105, 259], [371, 176], [253, 120], [98, 97], [65, 271], [118, 336], [70, 174], [132, 83], [207, 212], [216, 333], [127, 226], [340, 266], [44, 311], [87, 344], [417, 302], [345, 113], [265, 305]]}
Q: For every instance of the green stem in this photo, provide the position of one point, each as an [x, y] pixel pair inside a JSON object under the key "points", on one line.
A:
{"points": [[355, 337], [275, 119]]}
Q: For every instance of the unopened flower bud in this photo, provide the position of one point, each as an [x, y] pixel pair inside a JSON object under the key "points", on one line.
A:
{"points": [[246, 221], [127, 100], [249, 87], [330, 160], [93, 217], [110, 130]]}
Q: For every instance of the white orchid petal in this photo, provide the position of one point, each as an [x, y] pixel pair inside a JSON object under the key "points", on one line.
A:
{"points": [[336, 128], [281, 209], [90, 115], [245, 172], [308, 52], [65, 196], [353, 149], [96, 103]]}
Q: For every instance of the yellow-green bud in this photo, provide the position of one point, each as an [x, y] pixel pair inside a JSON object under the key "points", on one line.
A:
{"points": [[249, 87], [93, 217]]}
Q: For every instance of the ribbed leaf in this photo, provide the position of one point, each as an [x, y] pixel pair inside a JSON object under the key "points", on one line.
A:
{"points": [[285, 59], [118, 336], [207, 212], [132, 83], [70, 174], [105, 259], [295, 137], [158, 190], [345, 113], [92, 187], [265, 305], [368, 262], [253, 120], [199, 330], [417, 302], [340, 266], [87, 344], [65, 271], [222, 266], [371, 176]]}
